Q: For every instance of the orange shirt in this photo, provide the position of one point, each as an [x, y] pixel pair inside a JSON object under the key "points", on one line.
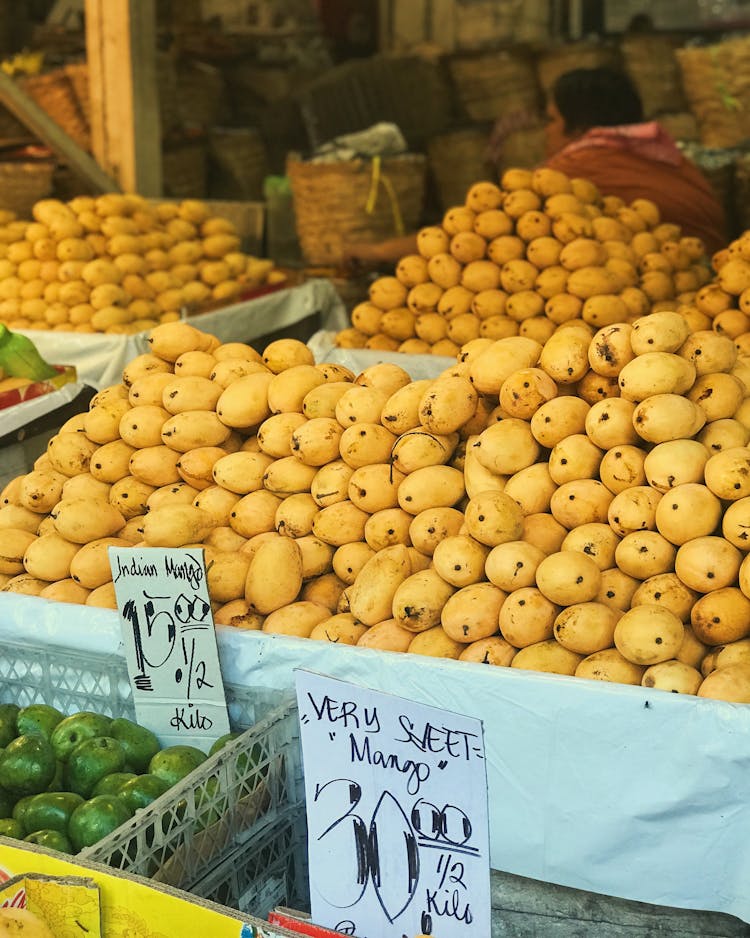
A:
{"points": [[682, 193]]}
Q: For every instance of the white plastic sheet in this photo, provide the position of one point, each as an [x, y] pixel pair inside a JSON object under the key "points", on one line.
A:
{"points": [[619, 790], [100, 358], [323, 347]]}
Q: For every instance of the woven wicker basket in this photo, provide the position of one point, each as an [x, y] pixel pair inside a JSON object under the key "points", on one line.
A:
{"points": [[331, 199], [742, 192], [488, 86], [651, 63], [557, 60], [719, 168], [184, 170], [239, 163], [202, 96], [54, 93], [10, 127], [681, 125], [169, 93], [457, 160], [715, 79], [524, 147], [78, 74], [67, 185], [23, 184]]}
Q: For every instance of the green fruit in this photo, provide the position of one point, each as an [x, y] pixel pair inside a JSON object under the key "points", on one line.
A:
{"points": [[27, 765], [96, 818], [49, 811], [139, 792], [247, 762], [11, 828], [207, 806], [175, 762], [57, 780], [221, 742], [140, 744], [77, 728], [90, 761], [111, 784], [8, 723], [51, 839], [38, 720], [6, 804], [19, 808]]}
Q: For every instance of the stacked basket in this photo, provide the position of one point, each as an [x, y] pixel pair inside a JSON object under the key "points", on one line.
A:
{"points": [[742, 191], [54, 93], [651, 63], [184, 168], [457, 159], [22, 183], [557, 60], [523, 147], [717, 86], [492, 84], [78, 75], [354, 201], [239, 155]]}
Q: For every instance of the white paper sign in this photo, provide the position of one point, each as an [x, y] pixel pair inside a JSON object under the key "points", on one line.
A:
{"points": [[170, 643], [398, 833]]}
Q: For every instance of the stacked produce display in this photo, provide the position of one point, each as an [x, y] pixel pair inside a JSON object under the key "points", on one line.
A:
{"points": [[522, 260], [572, 499], [119, 264]]}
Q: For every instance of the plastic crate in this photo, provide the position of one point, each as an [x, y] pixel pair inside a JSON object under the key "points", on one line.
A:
{"points": [[245, 802], [273, 873]]}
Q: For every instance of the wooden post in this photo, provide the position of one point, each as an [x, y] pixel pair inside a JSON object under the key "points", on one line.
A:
{"points": [[125, 123], [41, 125]]}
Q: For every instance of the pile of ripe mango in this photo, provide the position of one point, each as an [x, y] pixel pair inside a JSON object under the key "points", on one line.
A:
{"points": [[119, 264], [523, 258], [574, 499]]}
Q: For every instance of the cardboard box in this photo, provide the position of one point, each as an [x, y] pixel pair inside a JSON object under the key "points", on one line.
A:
{"points": [[66, 374], [127, 905]]}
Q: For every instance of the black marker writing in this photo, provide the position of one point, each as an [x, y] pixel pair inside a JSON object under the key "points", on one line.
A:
{"points": [[448, 905], [438, 739], [190, 718], [346, 712], [416, 772], [357, 846], [190, 570], [133, 567]]}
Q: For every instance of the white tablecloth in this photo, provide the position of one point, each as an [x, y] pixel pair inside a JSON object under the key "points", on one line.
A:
{"points": [[619, 790], [99, 359], [323, 346]]}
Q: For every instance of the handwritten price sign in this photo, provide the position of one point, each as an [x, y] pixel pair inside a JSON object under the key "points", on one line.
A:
{"points": [[170, 643], [398, 838]]}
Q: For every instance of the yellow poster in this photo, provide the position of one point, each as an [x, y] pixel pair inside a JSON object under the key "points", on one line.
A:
{"points": [[69, 905], [130, 907]]}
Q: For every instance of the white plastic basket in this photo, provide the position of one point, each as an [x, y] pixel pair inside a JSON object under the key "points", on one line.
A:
{"points": [[208, 833]]}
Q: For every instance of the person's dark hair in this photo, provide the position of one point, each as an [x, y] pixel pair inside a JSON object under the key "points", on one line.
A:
{"points": [[596, 97], [640, 23]]}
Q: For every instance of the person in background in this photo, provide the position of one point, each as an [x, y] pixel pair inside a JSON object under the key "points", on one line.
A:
{"points": [[595, 130]]}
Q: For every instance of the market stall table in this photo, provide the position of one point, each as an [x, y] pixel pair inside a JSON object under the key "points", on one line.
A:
{"points": [[603, 787], [100, 358]]}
